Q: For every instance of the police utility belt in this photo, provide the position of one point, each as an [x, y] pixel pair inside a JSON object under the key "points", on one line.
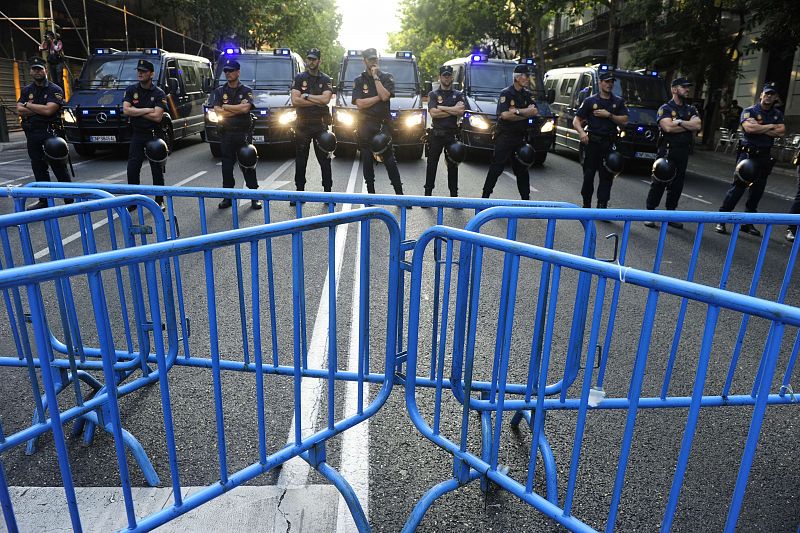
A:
{"points": [[755, 151], [602, 138], [39, 126], [443, 133]]}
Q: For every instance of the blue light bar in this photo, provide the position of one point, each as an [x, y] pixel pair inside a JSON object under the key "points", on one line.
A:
{"points": [[477, 58], [640, 129], [281, 51], [100, 51], [654, 73], [112, 112], [393, 114], [231, 51], [354, 52], [403, 55], [262, 112], [528, 61], [603, 67], [152, 51]]}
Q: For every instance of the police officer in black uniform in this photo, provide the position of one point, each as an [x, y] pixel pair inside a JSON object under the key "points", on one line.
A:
{"points": [[144, 104], [311, 94], [514, 108], [445, 106], [233, 102], [601, 113], [678, 122], [761, 123], [39, 106], [791, 231], [372, 92]]}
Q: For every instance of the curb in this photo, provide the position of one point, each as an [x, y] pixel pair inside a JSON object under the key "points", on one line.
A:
{"points": [[14, 145]]}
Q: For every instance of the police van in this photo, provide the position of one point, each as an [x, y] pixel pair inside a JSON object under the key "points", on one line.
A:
{"points": [[270, 74], [643, 91], [408, 118], [93, 115], [482, 78]]}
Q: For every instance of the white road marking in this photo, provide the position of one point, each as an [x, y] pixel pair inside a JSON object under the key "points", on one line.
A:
{"points": [[513, 177], [686, 195], [100, 223], [12, 161], [354, 465], [112, 176], [269, 180], [295, 471]]}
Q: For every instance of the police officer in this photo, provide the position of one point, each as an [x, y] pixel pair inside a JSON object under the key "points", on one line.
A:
{"points": [[601, 114], [39, 106], [791, 231], [761, 123], [445, 106], [144, 103], [311, 93], [678, 122], [233, 102], [514, 107], [372, 92]]}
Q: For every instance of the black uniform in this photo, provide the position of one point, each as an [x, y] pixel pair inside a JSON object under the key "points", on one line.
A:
{"points": [[370, 122], [676, 147], [602, 135], [143, 130], [443, 133], [38, 128], [311, 121], [233, 132], [509, 136], [758, 147]]}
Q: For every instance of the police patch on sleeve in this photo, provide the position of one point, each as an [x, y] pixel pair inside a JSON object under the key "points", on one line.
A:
{"points": [[135, 96], [594, 106], [674, 114], [511, 103], [660, 112], [59, 96], [746, 114], [502, 99]]}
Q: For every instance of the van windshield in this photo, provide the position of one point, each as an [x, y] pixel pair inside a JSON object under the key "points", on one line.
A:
{"points": [[640, 90], [263, 73], [490, 77], [404, 72], [111, 72]]}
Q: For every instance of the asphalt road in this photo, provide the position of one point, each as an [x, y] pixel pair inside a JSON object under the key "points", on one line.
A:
{"points": [[402, 465]]}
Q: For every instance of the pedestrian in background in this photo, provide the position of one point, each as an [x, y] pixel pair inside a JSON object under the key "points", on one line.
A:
{"points": [[762, 124], [54, 48]]}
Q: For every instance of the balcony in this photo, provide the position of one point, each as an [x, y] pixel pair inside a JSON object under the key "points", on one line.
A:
{"points": [[597, 24]]}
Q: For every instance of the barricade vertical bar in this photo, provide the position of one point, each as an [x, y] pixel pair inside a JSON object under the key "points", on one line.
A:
{"points": [[443, 334], [612, 312], [771, 351], [790, 365], [5, 498], [538, 325], [676, 338], [538, 422], [587, 383], [694, 412], [301, 279], [105, 337], [215, 367], [297, 273], [255, 290], [437, 275], [12, 317], [176, 265], [240, 287], [475, 279], [363, 326], [163, 382], [40, 329], [511, 293], [501, 323], [333, 360]]}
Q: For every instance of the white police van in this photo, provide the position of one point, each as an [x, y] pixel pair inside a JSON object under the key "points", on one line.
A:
{"points": [[270, 74]]}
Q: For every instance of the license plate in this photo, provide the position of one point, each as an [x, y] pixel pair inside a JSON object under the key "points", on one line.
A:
{"points": [[103, 139], [645, 155], [258, 138]]}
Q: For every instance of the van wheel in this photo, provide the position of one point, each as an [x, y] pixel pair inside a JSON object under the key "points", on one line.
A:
{"points": [[216, 149], [540, 159], [203, 136], [84, 150]]}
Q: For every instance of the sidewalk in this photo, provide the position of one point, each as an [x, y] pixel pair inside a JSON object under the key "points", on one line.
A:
{"points": [[17, 141], [718, 166]]}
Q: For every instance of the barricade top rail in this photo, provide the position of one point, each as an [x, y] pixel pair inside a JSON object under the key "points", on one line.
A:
{"points": [[159, 250], [786, 314]]}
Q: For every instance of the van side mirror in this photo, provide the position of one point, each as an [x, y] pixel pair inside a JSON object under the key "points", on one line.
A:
{"points": [[457, 85], [551, 96], [427, 87], [208, 85], [172, 85]]}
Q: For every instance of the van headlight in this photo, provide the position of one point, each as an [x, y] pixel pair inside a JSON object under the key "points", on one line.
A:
{"points": [[287, 117], [69, 118], [414, 119], [212, 116], [345, 118], [547, 127], [478, 122]]}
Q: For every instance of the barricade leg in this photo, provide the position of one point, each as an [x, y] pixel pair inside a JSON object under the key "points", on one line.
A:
{"points": [[418, 513], [5, 501]]}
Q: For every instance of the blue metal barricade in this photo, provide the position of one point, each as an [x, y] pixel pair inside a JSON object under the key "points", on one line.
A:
{"points": [[154, 261], [511, 374]]}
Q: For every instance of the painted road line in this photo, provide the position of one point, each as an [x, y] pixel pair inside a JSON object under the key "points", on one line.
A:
{"points": [[508, 174], [695, 198], [103, 222], [355, 441], [295, 471], [266, 182]]}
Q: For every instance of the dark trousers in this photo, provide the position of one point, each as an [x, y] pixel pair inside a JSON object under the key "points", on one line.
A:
{"points": [[229, 145], [795, 209], [303, 138], [57, 74], [136, 157], [678, 156], [737, 188], [505, 144], [39, 162], [594, 154], [437, 142], [366, 131]]}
